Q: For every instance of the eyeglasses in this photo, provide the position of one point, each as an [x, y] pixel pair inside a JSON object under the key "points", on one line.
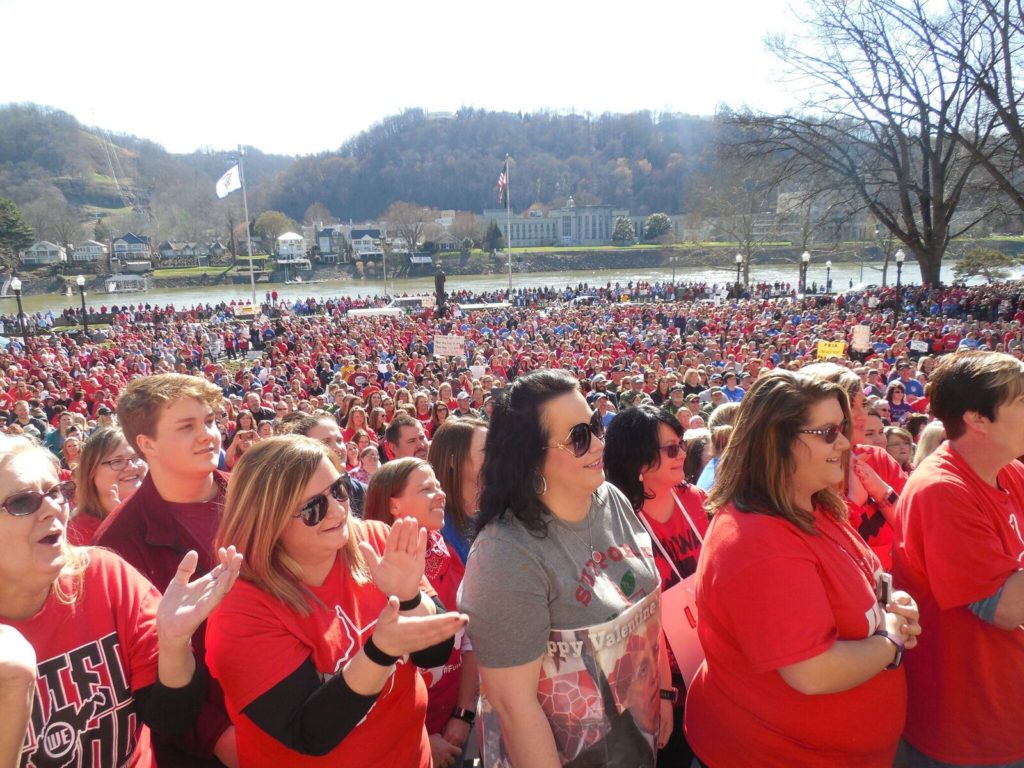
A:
{"points": [[27, 502], [120, 463], [674, 450], [829, 434], [315, 510], [581, 435]]}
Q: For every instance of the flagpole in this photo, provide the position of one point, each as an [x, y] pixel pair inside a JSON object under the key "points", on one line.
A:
{"points": [[248, 234], [508, 226]]}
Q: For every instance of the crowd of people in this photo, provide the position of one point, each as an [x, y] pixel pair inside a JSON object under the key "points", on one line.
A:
{"points": [[656, 526]]}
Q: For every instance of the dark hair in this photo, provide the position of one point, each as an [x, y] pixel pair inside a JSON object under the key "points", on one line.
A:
{"points": [[973, 381], [631, 444], [514, 450], [394, 431], [694, 463]]}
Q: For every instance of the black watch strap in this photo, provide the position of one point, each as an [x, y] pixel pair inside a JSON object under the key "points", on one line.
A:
{"points": [[466, 715], [900, 647]]}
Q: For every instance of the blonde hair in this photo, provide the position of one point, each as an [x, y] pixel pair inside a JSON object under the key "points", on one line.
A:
{"points": [[68, 586], [140, 405], [265, 489]]}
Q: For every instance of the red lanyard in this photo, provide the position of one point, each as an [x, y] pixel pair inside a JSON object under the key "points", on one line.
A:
{"points": [[863, 564]]}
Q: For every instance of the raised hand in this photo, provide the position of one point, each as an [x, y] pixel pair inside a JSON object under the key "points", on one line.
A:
{"points": [[398, 635], [400, 569], [186, 604]]}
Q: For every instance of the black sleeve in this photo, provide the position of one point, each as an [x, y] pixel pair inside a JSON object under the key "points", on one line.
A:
{"points": [[172, 710], [435, 655], [309, 716]]}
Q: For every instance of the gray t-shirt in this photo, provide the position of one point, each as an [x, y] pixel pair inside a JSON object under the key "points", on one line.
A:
{"points": [[519, 586]]}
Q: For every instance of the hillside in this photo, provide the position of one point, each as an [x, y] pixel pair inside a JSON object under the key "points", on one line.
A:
{"points": [[67, 177]]}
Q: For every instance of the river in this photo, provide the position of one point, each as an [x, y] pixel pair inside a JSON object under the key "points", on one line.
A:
{"points": [[842, 275]]}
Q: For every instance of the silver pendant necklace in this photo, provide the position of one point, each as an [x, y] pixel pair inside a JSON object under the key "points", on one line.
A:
{"points": [[596, 556]]}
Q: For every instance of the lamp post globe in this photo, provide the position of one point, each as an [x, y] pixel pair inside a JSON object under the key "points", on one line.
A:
{"points": [[16, 287], [828, 276], [739, 266], [805, 260]]}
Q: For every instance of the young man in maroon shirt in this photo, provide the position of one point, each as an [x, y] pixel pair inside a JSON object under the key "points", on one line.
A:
{"points": [[169, 419]]}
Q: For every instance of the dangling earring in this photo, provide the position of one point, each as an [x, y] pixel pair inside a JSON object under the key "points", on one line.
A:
{"points": [[641, 478], [540, 484]]}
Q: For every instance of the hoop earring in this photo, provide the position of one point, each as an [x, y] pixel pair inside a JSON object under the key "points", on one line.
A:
{"points": [[539, 488]]}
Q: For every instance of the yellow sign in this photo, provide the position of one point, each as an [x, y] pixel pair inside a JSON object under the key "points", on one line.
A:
{"points": [[827, 349]]}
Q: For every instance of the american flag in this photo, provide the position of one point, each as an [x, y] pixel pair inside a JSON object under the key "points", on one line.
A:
{"points": [[503, 183]]}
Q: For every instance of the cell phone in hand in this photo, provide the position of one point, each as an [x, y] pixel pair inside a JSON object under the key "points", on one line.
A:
{"points": [[885, 588]]}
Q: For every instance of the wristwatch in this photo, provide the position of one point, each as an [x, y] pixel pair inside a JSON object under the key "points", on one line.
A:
{"points": [[669, 694], [892, 498], [900, 647], [465, 715]]}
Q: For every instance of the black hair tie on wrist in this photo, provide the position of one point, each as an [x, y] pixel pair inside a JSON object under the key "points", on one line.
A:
{"points": [[376, 655], [411, 603]]}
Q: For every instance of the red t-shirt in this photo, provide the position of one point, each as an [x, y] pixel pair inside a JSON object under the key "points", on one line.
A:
{"points": [[867, 518], [770, 595], [254, 641], [959, 539], [82, 529], [92, 657], [677, 536]]}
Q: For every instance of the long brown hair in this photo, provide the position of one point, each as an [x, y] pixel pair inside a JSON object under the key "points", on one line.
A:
{"points": [[266, 487], [101, 443], [448, 455], [387, 482], [755, 473]]}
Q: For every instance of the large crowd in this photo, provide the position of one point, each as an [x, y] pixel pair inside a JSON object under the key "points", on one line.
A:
{"points": [[617, 525]]}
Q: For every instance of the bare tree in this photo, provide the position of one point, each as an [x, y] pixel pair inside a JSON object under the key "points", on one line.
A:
{"points": [[407, 221], [742, 207], [881, 118]]}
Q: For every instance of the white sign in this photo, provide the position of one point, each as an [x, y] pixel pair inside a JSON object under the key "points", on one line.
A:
{"points": [[449, 346], [477, 370], [861, 337], [918, 345], [429, 302]]}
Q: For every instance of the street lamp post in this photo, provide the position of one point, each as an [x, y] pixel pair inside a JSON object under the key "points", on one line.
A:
{"points": [[900, 258], [80, 282], [805, 261], [739, 266], [828, 276], [16, 287]]}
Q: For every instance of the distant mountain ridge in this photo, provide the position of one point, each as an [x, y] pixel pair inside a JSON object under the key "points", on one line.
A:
{"points": [[640, 161]]}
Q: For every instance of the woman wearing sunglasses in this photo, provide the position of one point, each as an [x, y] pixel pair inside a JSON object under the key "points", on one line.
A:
{"points": [[803, 643], [317, 651], [645, 458], [108, 474], [408, 488], [559, 565], [113, 658]]}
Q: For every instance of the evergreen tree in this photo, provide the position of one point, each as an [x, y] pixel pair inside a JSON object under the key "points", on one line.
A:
{"points": [[15, 233]]}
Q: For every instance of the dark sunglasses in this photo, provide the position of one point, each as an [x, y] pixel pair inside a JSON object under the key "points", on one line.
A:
{"points": [[829, 434], [315, 510], [580, 436], [674, 450], [27, 502]]}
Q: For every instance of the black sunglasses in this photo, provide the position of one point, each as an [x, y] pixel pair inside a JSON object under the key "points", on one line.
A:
{"points": [[580, 436], [829, 434], [673, 450], [315, 510], [27, 502]]}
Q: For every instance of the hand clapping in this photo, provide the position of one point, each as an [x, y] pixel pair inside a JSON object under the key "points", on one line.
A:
{"points": [[186, 604], [399, 570]]}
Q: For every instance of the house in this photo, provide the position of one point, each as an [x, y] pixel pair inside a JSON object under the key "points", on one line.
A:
{"points": [[180, 254], [291, 246], [44, 252], [570, 225], [133, 249], [91, 251], [331, 240]]}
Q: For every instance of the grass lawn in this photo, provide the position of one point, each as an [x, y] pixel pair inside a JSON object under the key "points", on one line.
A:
{"points": [[167, 274]]}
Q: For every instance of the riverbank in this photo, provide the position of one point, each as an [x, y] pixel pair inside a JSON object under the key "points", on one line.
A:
{"points": [[717, 257]]}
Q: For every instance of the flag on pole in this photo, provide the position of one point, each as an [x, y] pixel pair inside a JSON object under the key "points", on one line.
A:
{"points": [[503, 184], [229, 182]]}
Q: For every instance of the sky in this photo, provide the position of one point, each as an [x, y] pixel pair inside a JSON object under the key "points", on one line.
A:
{"points": [[303, 76]]}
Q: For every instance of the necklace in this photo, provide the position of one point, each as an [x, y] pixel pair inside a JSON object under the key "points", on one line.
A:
{"points": [[596, 556], [863, 564]]}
